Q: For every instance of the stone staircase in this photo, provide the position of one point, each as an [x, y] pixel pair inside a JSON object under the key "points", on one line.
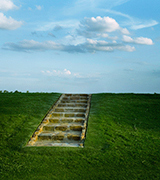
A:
{"points": [[65, 124]]}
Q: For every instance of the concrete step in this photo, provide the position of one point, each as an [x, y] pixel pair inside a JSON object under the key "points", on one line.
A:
{"points": [[70, 109], [86, 95], [73, 101], [84, 105], [75, 98], [67, 120], [65, 124], [67, 136], [63, 127], [67, 114]]}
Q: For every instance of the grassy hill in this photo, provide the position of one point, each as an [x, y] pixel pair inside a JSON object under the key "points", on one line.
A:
{"points": [[123, 139]]}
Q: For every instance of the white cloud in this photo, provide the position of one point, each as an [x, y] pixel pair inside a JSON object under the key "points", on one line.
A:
{"points": [[94, 45], [9, 23], [92, 35], [73, 40], [31, 45], [6, 5], [114, 3], [59, 73], [133, 23], [91, 27], [99, 24], [125, 31], [104, 35], [142, 40], [38, 7], [127, 39], [77, 75], [94, 76], [65, 73], [138, 40], [67, 24], [80, 6], [142, 25], [126, 48], [90, 46]]}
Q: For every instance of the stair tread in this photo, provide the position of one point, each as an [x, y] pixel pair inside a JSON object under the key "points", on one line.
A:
{"points": [[45, 133], [72, 105], [63, 124], [62, 118], [61, 144], [68, 113], [70, 108]]}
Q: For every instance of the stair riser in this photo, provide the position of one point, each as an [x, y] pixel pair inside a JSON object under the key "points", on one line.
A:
{"points": [[60, 137], [62, 128], [76, 95], [66, 120], [70, 110], [63, 121], [74, 101], [75, 98], [68, 115], [84, 105]]}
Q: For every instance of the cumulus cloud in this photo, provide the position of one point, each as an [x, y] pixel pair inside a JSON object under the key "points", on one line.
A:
{"points": [[100, 24], [6, 5], [9, 23], [138, 40], [90, 26]]}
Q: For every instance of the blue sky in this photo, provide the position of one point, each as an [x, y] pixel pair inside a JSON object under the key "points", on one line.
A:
{"points": [[85, 46]]}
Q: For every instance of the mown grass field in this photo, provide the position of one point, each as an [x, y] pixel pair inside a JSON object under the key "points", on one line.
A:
{"points": [[122, 143]]}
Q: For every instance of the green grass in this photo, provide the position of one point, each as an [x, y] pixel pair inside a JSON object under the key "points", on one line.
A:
{"points": [[123, 139]]}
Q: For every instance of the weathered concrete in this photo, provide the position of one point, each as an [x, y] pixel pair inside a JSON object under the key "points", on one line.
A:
{"points": [[65, 124]]}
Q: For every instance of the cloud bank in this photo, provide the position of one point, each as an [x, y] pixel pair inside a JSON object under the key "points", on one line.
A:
{"points": [[91, 46], [92, 35]]}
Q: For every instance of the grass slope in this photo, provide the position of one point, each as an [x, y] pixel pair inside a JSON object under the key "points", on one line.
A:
{"points": [[123, 139]]}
